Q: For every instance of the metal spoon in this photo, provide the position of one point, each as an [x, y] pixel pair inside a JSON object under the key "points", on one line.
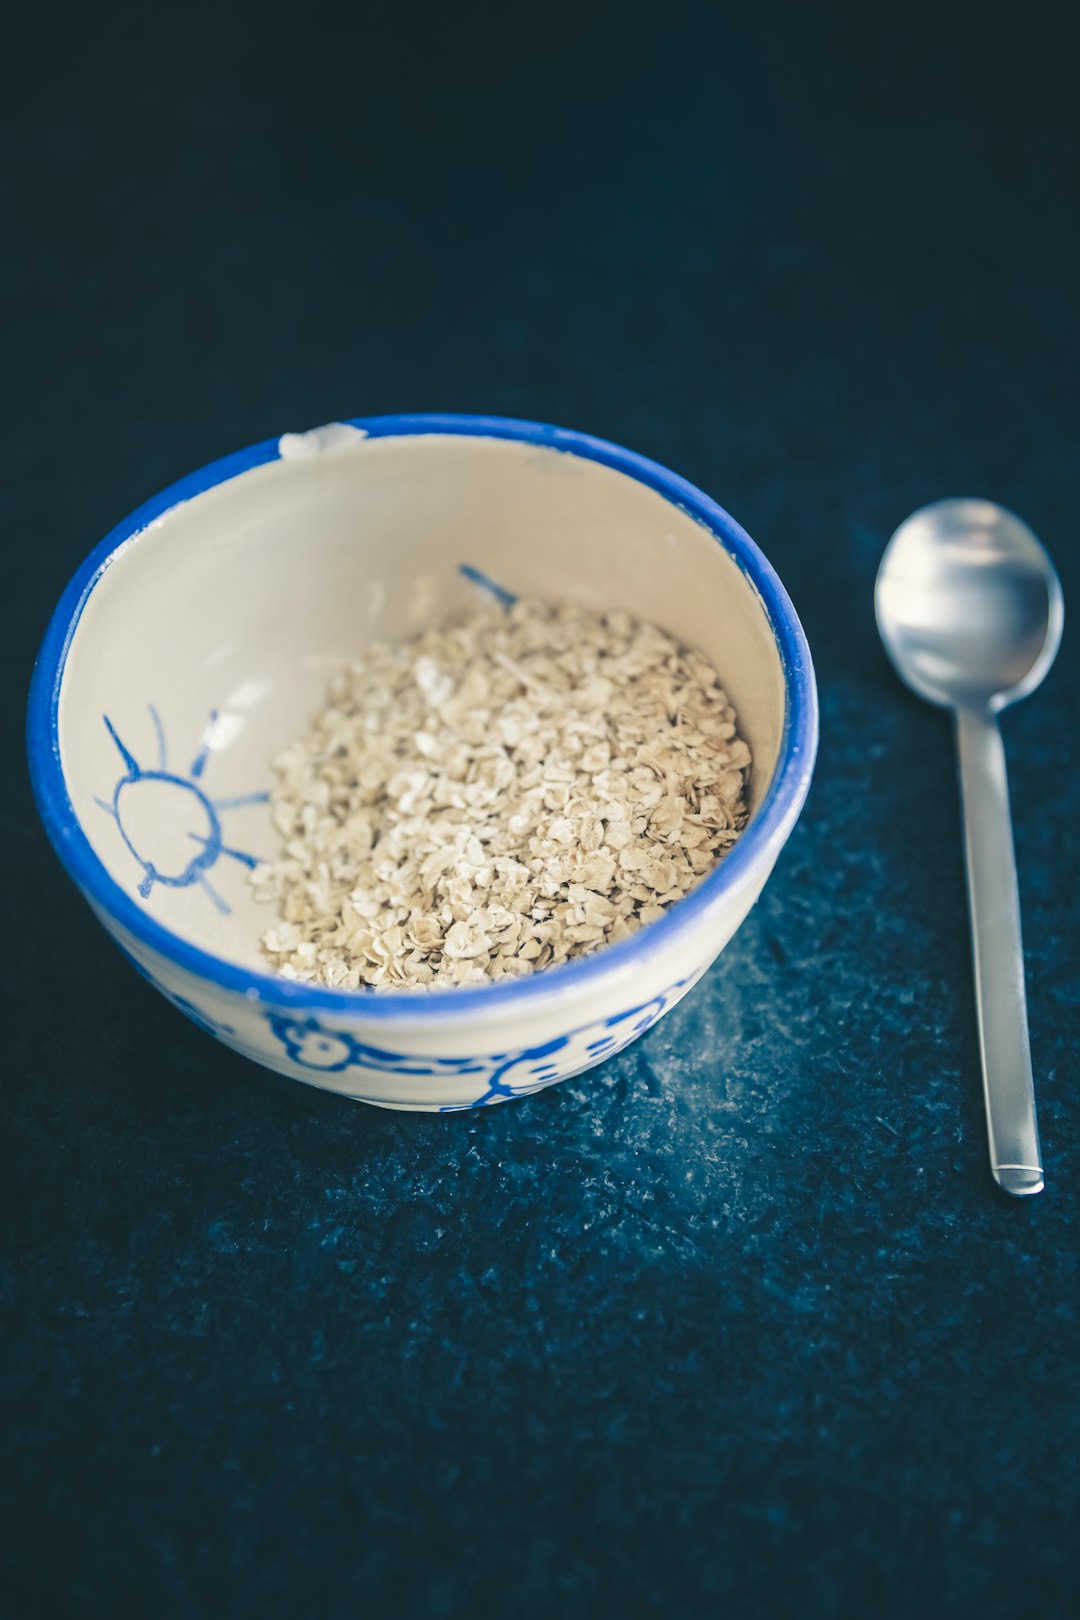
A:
{"points": [[970, 610]]}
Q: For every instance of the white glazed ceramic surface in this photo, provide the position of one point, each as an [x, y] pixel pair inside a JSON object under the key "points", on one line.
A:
{"points": [[199, 639]]}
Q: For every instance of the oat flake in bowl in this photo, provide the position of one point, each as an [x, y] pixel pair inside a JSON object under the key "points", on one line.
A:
{"points": [[506, 791]]}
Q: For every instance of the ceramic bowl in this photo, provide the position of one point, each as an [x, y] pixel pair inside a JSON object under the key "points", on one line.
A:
{"points": [[197, 640]]}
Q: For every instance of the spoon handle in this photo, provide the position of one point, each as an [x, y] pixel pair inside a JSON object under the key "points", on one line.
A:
{"points": [[999, 959]]}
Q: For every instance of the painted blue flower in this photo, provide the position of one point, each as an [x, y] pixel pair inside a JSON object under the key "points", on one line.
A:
{"points": [[316, 1048]]}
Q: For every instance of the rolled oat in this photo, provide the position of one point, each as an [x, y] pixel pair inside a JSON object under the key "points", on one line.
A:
{"points": [[509, 790]]}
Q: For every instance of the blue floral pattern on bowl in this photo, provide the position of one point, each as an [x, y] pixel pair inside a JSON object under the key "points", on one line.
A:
{"points": [[497, 1075]]}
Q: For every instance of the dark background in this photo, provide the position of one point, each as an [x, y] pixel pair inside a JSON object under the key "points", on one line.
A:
{"points": [[739, 1318]]}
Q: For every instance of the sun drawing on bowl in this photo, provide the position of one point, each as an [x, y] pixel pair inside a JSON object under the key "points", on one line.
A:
{"points": [[161, 814]]}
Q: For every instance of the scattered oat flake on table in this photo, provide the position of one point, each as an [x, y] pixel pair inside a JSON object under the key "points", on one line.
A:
{"points": [[512, 788]]}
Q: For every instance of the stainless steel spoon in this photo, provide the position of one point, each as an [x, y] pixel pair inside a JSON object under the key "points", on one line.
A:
{"points": [[970, 610]]}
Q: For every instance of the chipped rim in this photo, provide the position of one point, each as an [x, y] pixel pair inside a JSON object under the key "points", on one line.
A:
{"points": [[757, 846]]}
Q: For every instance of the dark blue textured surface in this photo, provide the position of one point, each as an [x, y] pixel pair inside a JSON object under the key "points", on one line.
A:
{"points": [[739, 1320]]}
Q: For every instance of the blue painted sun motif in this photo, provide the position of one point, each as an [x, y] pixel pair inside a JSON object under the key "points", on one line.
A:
{"points": [[160, 814]]}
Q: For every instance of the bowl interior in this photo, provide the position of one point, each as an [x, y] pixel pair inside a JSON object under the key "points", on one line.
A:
{"points": [[206, 643]]}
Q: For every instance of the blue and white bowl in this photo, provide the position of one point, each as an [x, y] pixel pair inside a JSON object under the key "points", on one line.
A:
{"points": [[197, 640]]}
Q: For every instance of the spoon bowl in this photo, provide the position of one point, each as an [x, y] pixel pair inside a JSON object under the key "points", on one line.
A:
{"points": [[968, 605]]}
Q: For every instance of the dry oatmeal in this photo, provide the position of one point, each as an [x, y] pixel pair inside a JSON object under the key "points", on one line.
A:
{"points": [[508, 790]]}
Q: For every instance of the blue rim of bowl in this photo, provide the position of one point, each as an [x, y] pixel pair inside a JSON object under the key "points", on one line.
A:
{"points": [[765, 833]]}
